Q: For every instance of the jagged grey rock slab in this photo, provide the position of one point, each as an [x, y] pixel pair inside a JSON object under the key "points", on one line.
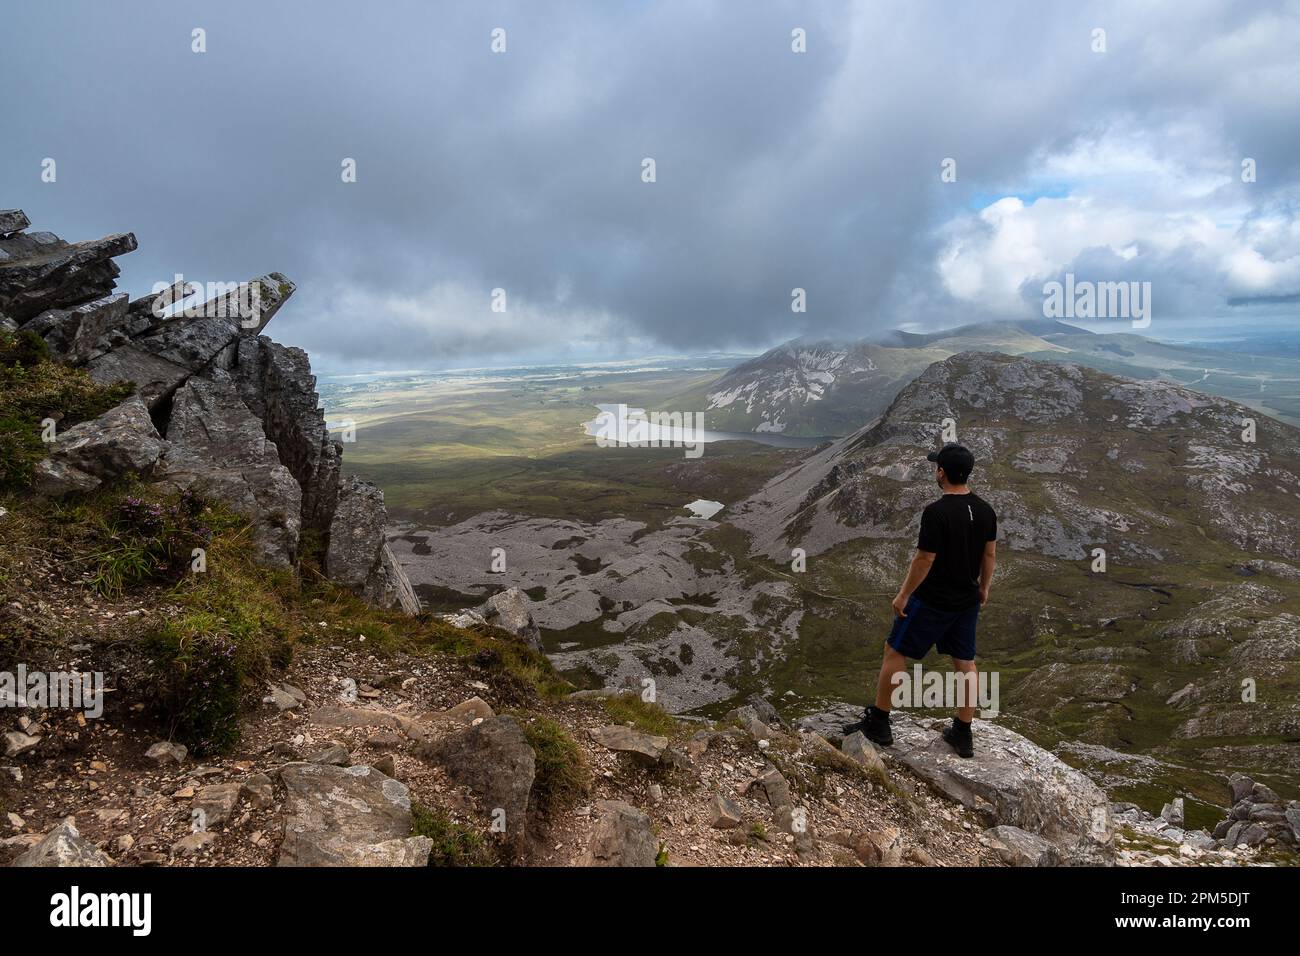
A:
{"points": [[163, 358], [1011, 781], [358, 556], [13, 220], [626, 740], [277, 385], [40, 271], [389, 587], [347, 816], [121, 440], [71, 334]]}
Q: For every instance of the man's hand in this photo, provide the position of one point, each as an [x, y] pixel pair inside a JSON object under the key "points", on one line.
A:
{"points": [[900, 604], [984, 596]]}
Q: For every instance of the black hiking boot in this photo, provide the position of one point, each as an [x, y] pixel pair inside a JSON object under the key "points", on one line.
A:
{"points": [[959, 738], [874, 726]]}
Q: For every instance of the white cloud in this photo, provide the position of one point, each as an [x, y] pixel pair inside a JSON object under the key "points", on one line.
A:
{"points": [[1165, 201]]}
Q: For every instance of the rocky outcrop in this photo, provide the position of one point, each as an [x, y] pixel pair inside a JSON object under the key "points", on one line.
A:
{"points": [[171, 349], [1010, 781], [276, 383], [73, 333], [217, 406], [218, 448], [1258, 816]]}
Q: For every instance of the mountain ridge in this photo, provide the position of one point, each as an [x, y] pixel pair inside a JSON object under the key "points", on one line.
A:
{"points": [[827, 388]]}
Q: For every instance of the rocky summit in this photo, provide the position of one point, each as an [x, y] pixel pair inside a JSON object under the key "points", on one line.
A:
{"points": [[211, 405], [178, 521]]}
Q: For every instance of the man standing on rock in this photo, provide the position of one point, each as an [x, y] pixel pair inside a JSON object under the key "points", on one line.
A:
{"points": [[939, 602]]}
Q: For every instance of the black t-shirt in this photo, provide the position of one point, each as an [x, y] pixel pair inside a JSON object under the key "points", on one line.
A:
{"points": [[955, 528]]}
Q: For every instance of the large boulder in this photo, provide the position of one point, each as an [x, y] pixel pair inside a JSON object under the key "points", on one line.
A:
{"points": [[218, 449], [511, 610], [64, 846], [121, 440], [494, 760], [347, 816], [622, 836], [1010, 780]]}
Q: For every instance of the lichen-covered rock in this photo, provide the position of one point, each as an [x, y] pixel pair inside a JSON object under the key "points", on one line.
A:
{"points": [[347, 816], [106, 448], [64, 846]]}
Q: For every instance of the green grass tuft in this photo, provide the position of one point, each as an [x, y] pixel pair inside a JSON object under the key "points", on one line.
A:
{"points": [[645, 717], [453, 844], [563, 777]]}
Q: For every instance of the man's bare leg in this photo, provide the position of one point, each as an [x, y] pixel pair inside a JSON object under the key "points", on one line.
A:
{"points": [[893, 663], [969, 677]]}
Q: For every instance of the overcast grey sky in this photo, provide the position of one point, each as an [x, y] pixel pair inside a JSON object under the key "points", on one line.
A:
{"points": [[522, 170]]}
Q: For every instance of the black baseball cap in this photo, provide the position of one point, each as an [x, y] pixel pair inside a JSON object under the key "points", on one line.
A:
{"points": [[956, 461]]}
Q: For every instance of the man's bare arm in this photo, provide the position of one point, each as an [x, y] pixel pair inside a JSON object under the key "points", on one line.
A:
{"points": [[916, 573], [989, 562]]}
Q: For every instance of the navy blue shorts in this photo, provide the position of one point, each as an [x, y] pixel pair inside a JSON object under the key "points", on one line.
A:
{"points": [[953, 632]]}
